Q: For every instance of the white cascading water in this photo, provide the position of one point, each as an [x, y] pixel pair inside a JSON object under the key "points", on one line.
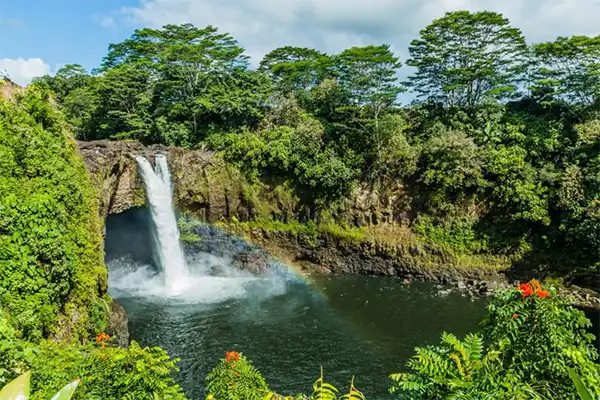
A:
{"points": [[168, 249]]}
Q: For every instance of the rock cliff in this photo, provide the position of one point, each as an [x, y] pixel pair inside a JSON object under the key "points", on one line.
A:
{"points": [[202, 182], [213, 190]]}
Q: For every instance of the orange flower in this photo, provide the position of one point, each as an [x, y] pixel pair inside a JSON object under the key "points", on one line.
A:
{"points": [[515, 316], [535, 285], [231, 355], [102, 337], [543, 294], [526, 290]]}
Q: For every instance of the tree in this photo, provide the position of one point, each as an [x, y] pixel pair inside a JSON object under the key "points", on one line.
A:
{"points": [[568, 69], [296, 68], [124, 103], [196, 74], [67, 79], [464, 58], [450, 167], [369, 74]]}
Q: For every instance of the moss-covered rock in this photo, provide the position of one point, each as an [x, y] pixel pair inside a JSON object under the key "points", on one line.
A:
{"points": [[390, 250], [203, 183], [53, 280]]}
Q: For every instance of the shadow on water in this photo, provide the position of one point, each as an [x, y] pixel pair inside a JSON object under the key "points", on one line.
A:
{"points": [[351, 325]]}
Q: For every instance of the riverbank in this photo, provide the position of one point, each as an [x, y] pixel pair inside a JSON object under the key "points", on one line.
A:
{"points": [[391, 251]]}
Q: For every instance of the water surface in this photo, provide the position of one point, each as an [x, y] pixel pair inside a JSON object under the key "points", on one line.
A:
{"points": [[367, 327]]}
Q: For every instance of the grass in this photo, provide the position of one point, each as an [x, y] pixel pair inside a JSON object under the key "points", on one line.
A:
{"points": [[396, 240]]}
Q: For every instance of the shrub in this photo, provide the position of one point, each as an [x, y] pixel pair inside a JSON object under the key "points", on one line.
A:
{"points": [[534, 339], [20, 388], [106, 372], [235, 378], [51, 260]]}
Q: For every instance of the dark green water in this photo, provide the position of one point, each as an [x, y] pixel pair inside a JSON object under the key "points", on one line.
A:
{"points": [[367, 327], [288, 325]]}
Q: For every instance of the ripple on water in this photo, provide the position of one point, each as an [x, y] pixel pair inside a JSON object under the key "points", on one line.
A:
{"points": [[367, 327]]}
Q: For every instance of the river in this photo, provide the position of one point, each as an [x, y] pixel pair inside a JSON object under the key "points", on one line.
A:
{"points": [[289, 327]]}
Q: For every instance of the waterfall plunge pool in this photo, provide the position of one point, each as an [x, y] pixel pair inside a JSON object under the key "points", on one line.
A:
{"points": [[350, 325]]}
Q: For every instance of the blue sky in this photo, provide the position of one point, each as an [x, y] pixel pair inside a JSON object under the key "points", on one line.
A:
{"points": [[38, 36], [58, 32]]}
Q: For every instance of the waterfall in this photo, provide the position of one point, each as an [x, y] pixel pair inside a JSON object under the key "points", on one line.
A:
{"points": [[168, 252]]}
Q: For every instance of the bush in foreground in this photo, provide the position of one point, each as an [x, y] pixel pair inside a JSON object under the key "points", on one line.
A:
{"points": [[533, 338], [106, 372]]}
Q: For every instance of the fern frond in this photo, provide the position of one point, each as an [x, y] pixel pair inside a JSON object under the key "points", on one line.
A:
{"points": [[353, 394], [323, 390]]}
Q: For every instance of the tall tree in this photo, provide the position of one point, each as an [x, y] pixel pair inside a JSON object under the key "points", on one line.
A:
{"points": [[464, 58], [296, 68], [124, 104], [198, 73], [568, 69], [369, 74], [68, 78]]}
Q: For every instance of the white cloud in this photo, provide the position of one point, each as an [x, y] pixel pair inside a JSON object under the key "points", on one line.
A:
{"points": [[332, 25], [107, 22], [22, 71]]}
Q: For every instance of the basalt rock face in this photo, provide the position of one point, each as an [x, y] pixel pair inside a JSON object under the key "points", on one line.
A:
{"points": [[117, 325], [213, 190], [202, 183]]}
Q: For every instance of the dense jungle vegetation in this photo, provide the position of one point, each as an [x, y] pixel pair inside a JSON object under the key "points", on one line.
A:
{"points": [[499, 152]]}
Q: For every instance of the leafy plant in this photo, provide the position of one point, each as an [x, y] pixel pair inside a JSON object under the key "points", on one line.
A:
{"points": [[582, 390], [235, 378], [51, 258], [536, 342], [19, 389]]}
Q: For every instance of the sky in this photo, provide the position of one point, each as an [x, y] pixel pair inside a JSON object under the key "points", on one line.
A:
{"points": [[37, 37]]}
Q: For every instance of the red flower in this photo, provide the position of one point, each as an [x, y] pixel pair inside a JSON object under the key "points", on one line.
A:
{"points": [[231, 355], [543, 294], [526, 290], [515, 316]]}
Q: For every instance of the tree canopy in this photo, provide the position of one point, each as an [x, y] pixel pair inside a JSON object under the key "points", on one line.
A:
{"points": [[499, 146]]}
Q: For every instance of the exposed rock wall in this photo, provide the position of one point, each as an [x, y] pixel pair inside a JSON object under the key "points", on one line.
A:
{"points": [[203, 184]]}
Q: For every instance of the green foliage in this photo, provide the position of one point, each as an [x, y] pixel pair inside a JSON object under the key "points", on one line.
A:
{"points": [[502, 134], [15, 355], [296, 69], [50, 238], [533, 340], [20, 387], [516, 193], [106, 372], [290, 150], [458, 233], [567, 69], [582, 391], [547, 337], [368, 74], [463, 58], [451, 166], [236, 379]]}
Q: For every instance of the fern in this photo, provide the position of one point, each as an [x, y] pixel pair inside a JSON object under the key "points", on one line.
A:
{"points": [[323, 390], [353, 394]]}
